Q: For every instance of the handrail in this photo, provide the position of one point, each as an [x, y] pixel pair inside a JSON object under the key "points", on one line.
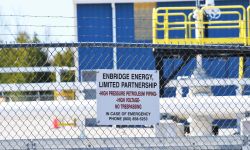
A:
{"points": [[187, 23], [217, 27], [205, 22], [243, 20], [174, 8], [228, 7], [248, 21], [165, 24], [170, 14]]}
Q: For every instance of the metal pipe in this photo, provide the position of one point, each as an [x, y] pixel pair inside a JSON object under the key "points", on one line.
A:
{"points": [[216, 107], [197, 3], [114, 35]]}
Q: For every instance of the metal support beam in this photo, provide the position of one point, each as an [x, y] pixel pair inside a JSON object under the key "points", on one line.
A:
{"points": [[159, 64], [186, 60]]}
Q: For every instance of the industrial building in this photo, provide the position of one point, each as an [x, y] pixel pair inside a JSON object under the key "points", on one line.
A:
{"points": [[131, 21]]}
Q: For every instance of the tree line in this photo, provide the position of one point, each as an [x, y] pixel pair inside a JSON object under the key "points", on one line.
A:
{"points": [[33, 57]]}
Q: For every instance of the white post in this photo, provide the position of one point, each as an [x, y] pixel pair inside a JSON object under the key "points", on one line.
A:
{"points": [[245, 127], [197, 3], [76, 54], [82, 128], [199, 62], [201, 126], [58, 75], [39, 96], [169, 128], [58, 79], [114, 35]]}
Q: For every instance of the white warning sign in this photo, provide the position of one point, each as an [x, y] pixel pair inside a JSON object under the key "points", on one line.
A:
{"points": [[127, 97]]}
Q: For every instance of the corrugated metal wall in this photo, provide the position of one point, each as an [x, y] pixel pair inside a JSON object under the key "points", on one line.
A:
{"points": [[95, 24]]}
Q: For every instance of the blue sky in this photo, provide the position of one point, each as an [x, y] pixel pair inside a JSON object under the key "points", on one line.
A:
{"points": [[11, 25]]}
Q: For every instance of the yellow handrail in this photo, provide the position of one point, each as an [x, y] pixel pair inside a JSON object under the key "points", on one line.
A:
{"points": [[166, 23], [228, 7], [205, 22], [186, 25], [216, 22], [243, 24], [174, 8], [169, 14], [241, 60], [248, 21]]}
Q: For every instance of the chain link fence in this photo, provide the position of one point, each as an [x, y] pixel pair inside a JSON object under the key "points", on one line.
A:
{"points": [[50, 103]]}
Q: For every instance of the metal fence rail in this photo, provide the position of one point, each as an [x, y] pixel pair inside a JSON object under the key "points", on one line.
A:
{"points": [[130, 143], [200, 108], [127, 45]]}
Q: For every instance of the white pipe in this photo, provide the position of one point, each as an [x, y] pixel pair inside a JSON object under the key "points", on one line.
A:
{"points": [[215, 107], [114, 35], [202, 110], [208, 82], [209, 3], [47, 110], [197, 3]]}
